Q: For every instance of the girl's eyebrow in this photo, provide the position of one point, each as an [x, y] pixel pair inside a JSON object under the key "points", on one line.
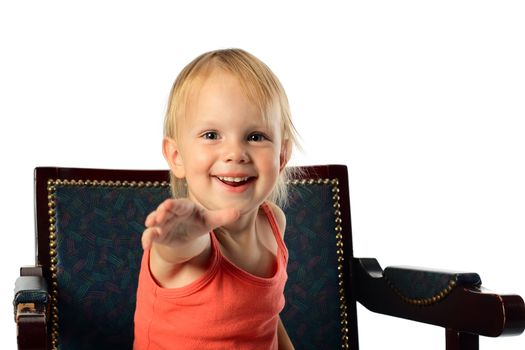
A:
{"points": [[204, 121]]}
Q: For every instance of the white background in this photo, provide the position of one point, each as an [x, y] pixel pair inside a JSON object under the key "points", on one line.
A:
{"points": [[423, 100]]}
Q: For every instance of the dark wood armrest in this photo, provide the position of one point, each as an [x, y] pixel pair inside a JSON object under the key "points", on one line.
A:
{"points": [[457, 301], [31, 306]]}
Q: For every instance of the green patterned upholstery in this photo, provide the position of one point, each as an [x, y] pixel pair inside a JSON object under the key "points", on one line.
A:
{"points": [[98, 230], [96, 249], [313, 307]]}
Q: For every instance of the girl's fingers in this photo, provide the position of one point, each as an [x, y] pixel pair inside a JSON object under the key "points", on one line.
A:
{"points": [[150, 219], [148, 236], [162, 211], [182, 207], [171, 208]]}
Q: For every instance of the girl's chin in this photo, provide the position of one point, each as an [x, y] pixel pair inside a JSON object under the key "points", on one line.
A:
{"points": [[243, 207]]}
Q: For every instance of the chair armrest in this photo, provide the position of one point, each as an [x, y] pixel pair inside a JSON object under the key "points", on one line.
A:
{"points": [[31, 307], [452, 300], [419, 286]]}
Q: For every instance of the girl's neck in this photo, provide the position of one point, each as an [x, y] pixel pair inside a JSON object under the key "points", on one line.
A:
{"points": [[243, 229]]}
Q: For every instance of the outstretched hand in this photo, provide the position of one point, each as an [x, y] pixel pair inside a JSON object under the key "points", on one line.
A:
{"points": [[178, 221]]}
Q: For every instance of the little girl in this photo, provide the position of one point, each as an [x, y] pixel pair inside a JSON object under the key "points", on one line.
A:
{"points": [[214, 264]]}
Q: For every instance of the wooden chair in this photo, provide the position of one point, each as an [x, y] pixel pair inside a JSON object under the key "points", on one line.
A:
{"points": [[81, 293]]}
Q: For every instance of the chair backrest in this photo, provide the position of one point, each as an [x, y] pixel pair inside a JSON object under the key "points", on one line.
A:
{"points": [[89, 225]]}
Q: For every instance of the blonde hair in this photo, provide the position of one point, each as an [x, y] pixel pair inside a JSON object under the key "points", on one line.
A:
{"points": [[261, 87]]}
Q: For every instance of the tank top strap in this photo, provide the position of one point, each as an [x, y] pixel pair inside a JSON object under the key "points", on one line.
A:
{"points": [[276, 231]]}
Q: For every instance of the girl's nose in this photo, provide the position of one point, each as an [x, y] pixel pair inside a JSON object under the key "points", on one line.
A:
{"points": [[235, 152]]}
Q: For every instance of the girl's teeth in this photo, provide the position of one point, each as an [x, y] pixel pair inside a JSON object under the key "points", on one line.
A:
{"points": [[232, 179]]}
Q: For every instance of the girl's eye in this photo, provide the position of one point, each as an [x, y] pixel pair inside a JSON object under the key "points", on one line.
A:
{"points": [[256, 137], [210, 135]]}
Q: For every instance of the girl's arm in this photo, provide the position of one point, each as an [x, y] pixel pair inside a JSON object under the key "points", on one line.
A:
{"points": [[285, 343], [176, 232]]}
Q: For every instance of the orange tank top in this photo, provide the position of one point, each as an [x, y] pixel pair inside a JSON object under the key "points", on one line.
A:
{"points": [[226, 308]]}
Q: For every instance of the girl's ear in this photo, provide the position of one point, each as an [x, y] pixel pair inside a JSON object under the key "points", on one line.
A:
{"points": [[173, 157], [286, 153]]}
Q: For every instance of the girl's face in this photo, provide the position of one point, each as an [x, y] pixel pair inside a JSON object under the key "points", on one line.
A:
{"points": [[228, 154]]}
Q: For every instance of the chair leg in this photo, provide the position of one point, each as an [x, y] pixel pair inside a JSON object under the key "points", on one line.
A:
{"points": [[461, 341]]}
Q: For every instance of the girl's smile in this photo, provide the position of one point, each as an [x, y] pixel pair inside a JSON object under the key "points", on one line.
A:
{"points": [[236, 184]]}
